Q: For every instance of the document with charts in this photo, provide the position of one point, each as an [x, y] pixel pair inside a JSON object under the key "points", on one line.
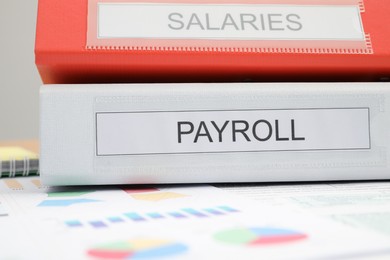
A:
{"points": [[167, 222]]}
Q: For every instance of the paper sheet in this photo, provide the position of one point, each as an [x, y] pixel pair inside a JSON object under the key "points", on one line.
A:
{"points": [[361, 205], [167, 222]]}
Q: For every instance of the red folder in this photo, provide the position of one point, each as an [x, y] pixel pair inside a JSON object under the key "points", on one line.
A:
{"points": [[93, 41]]}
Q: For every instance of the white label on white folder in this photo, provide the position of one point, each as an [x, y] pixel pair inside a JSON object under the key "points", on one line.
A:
{"points": [[229, 21], [221, 131]]}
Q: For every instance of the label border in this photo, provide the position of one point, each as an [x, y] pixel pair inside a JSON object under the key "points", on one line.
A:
{"points": [[228, 38], [224, 152], [286, 46]]}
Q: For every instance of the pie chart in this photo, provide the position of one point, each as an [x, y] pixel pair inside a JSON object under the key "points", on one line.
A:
{"points": [[137, 249], [257, 236]]}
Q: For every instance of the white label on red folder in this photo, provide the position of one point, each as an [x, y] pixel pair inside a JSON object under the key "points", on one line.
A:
{"points": [[260, 26], [229, 21], [183, 132]]}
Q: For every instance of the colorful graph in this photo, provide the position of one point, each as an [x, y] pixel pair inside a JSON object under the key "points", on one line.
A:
{"points": [[136, 217], [64, 203], [68, 193], [137, 249], [152, 194], [13, 184], [158, 196], [257, 236], [37, 183]]}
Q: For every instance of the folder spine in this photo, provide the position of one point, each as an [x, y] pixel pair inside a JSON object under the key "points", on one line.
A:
{"points": [[186, 133]]}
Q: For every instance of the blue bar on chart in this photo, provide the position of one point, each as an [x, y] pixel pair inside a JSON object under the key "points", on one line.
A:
{"points": [[97, 224], [228, 209], [115, 219], [134, 216], [177, 215], [195, 213], [184, 213], [73, 223], [64, 203], [214, 211], [155, 215]]}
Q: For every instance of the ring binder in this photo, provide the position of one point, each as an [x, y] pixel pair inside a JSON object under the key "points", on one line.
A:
{"points": [[164, 133]]}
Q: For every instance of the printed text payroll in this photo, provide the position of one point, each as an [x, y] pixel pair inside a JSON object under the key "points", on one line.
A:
{"points": [[262, 130]]}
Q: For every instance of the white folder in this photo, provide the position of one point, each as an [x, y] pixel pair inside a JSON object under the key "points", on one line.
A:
{"points": [[214, 132]]}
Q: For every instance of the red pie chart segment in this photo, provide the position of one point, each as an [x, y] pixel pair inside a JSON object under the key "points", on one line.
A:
{"points": [[257, 236]]}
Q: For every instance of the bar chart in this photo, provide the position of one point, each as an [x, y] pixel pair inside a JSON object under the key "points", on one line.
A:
{"points": [[147, 217]]}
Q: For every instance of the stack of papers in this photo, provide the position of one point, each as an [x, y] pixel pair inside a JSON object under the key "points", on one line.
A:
{"points": [[194, 221]]}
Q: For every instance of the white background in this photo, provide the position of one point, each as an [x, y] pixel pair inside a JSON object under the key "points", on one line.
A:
{"points": [[19, 79]]}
